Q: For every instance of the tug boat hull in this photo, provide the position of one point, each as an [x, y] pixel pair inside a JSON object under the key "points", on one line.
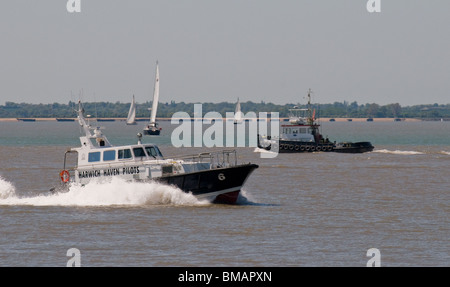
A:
{"points": [[295, 147], [359, 147], [300, 147]]}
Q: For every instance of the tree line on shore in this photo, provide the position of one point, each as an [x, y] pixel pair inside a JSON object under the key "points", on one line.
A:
{"points": [[166, 110]]}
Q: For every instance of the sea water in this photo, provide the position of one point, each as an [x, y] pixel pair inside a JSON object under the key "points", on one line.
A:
{"points": [[311, 209]]}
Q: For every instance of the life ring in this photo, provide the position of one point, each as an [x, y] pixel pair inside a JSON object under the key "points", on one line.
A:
{"points": [[65, 176]]}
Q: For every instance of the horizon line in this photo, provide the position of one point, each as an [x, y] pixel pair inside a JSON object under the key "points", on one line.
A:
{"points": [[263, 102]]}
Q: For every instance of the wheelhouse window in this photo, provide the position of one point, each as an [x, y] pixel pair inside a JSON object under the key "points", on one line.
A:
{"points": [[153, 151], [94, 156], [109, 155], [138, 152], [124, 153], [158, 151]]}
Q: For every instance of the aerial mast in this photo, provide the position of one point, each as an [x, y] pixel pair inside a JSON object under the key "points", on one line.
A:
{"points": [[310, 114]]}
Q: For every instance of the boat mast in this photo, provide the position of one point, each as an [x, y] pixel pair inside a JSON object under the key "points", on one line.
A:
{"points": [[310, 115], [82, 121], [97, 134], [311, 120]]}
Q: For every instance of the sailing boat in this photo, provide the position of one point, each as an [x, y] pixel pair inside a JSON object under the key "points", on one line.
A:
{"points": [[152, 127], [131, 119], [238, 113]]}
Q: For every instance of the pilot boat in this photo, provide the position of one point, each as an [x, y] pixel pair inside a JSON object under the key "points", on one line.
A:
{"points": [[302, 134], [214, 176]]}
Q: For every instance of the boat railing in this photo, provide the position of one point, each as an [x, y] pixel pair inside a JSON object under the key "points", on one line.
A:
{"points": [[217, 159]]}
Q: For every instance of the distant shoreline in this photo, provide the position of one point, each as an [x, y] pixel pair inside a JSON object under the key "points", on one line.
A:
{"points": [[281, 119]]}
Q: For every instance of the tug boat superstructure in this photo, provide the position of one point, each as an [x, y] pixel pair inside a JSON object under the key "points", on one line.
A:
{"points": [[302, 134], [215, 176]]}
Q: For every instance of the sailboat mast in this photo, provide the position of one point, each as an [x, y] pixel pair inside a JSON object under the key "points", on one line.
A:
{"points": [[310, 113]]}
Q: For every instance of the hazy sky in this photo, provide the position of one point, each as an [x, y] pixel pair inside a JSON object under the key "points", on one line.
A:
{"points": [[219, 50]]}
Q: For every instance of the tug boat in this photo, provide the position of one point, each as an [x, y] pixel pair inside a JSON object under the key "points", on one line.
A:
{"points": [[214, 176], [302, 134]]}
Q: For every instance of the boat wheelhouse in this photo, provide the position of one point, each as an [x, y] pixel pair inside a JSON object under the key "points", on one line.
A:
{"points": [[215, 176]]}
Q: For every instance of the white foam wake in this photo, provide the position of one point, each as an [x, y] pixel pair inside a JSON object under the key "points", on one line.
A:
{"points": [[6, 189], [261, 150], [115, 192], [245, 198], [445, 152], [401, 152]]}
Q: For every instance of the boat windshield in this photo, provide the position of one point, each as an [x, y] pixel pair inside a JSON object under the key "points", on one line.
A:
{"points": [[153, 151]]}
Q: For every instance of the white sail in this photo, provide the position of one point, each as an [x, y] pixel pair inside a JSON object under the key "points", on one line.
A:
{"points": [[238, 113], [155, 97], [152, 127], [131, 119]]}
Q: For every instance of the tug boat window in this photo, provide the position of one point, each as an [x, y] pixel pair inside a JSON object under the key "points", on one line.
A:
{"points": [[124, 153], [138, 152], [94, 156], [109, 155]]}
